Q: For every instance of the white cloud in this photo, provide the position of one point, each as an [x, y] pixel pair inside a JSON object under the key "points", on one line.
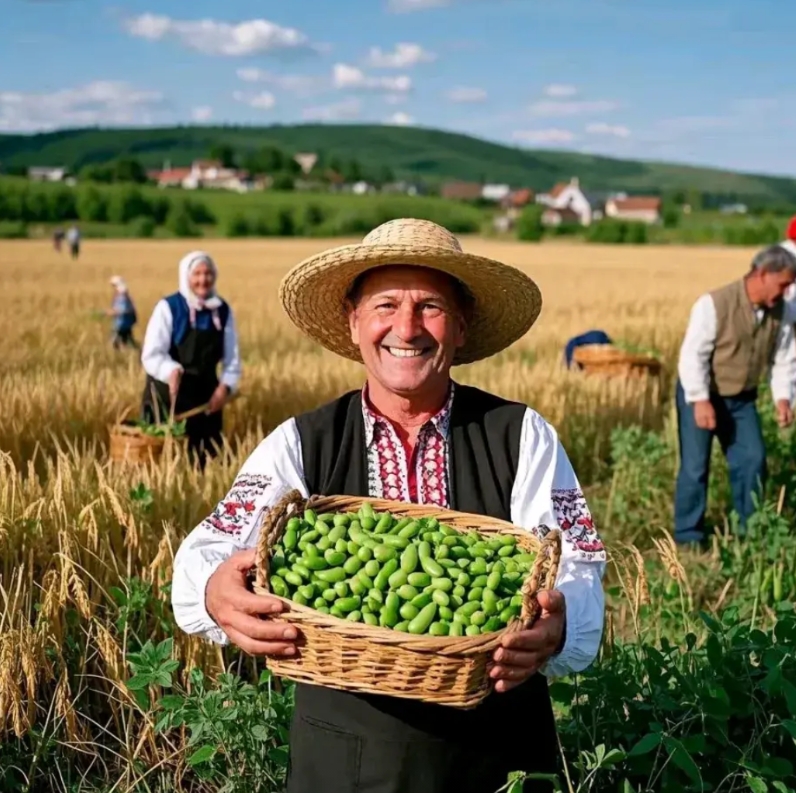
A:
{"points": [[400, 119], [203, 113], [601, 128], [99, 102], [295, 83], [403, 56], [345, 76], [543, 136], [560, 90], [465, 94], [339, 111], [552, 107], [395, 99], [212, 37], [261, 101]]}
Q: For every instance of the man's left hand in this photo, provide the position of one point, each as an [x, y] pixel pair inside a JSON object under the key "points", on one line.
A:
{"points": [[522, 653], [784, 413], [219, 398]]}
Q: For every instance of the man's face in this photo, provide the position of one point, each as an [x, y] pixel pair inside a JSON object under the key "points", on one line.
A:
{"points": [[773, 286], [201, 280], [408, 327]]}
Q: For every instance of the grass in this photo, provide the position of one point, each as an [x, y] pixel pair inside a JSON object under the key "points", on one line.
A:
{"points": [[99, 692]]}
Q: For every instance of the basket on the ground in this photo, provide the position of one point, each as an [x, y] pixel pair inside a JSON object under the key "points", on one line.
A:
{"points": [[340, 654], [608, 360]]}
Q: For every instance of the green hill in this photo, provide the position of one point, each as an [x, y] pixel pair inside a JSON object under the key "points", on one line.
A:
{"points": [[419, 153]]}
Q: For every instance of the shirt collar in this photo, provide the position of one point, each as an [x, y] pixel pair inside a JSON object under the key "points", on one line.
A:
{"points": [[440, 421]]}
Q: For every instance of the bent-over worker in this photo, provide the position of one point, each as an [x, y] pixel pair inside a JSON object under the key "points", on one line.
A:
{"points": [[189, 334], [409, 304], [124, 315], [734, 335]]}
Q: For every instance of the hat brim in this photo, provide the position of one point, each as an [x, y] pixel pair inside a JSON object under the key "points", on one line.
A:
{"points": [[507, 301]]}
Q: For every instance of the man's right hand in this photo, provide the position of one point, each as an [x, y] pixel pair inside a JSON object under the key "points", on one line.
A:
{"points": [[237, 610], [705, 415]]}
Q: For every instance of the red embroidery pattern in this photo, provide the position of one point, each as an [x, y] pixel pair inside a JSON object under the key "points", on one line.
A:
{"points": [[576, 523], [432, 467], [391, 462], [237, 508]]}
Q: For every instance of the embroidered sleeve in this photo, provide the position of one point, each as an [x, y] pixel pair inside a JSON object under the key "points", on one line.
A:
{"points": [[272, 469], [547, 495]]}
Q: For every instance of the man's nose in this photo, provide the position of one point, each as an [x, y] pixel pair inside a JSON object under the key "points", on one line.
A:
{"points": [[407, 324]]}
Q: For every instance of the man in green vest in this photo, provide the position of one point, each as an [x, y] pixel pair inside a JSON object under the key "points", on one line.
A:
{"points": [[736, 334]]}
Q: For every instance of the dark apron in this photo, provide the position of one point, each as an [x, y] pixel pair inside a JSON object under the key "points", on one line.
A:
{"points": [[199, 354]]}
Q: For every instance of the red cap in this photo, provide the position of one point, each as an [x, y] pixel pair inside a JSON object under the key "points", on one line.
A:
{"points": [[790, 234]]}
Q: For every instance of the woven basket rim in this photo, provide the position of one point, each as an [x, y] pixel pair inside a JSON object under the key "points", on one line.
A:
{"points": [[442, 645]]}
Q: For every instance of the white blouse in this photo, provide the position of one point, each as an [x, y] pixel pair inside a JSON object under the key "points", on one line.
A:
{"points": [[159, 365], [546, 492]]}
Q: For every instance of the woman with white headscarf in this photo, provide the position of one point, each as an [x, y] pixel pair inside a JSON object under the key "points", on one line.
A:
{"points": [[124, 315], [190, 333]]}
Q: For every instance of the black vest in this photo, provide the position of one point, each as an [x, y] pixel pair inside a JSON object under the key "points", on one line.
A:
{"points": [[484, 438], [485, 435]]}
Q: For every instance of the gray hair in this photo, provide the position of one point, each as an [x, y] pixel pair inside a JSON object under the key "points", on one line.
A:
{"points": [[774, 259]]}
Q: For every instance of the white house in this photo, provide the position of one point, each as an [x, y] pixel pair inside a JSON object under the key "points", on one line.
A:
{"points": [[43, 174], [207, 174], [570, 196], [495, 192], [646, 209]]}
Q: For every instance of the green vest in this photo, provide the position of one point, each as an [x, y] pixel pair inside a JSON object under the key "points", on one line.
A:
{"points": [[744, 347]]}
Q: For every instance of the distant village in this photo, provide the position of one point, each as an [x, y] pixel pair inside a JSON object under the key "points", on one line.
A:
{"points": [[565, 203]]}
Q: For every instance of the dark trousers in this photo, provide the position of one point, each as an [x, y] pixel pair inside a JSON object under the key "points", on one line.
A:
{"points": [[346, 743], [123, 338], [740, 436]]}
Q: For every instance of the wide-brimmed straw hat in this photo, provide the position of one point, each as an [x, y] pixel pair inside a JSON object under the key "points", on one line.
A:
{"points": [[506, 301]]}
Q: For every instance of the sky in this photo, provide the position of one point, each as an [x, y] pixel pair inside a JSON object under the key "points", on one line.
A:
{"points": [[707, 82]]}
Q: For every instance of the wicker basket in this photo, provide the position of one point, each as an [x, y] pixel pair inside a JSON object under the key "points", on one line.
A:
{"points": [[362, 658], [605, 359], [129, 444]]}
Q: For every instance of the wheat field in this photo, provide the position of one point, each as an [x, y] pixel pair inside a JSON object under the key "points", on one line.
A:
{"points": [[71, 527]]}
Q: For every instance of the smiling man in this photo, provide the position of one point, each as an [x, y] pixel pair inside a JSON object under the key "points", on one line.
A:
{"points": [[409, 304]]}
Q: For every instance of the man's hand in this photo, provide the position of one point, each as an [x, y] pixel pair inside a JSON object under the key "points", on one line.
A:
{"points": [[219, 398], [236, 610], [705, 415], [522, 653], [784, 413], [175, 378]]}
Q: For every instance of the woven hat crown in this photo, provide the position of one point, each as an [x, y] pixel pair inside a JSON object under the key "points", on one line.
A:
{"points": [[411, 231]]}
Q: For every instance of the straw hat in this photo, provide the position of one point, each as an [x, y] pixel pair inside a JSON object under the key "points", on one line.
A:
{"points": [[507, 302]]}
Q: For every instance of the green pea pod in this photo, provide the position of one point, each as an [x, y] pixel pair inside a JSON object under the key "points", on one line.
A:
{"points": [[368, 523], [300, 599], [505, 551], [409, 559], [431, 567], [352, 565], [337, 533], [475, 594], [397, 525], [458, 591], [410, 530], [422, 600], [440, 597], [319, 603], [397, 579], [349, 604], [308, 550], [310, 516], [366, 509], [290, 539], [460, 553], [456, 629], [420, 580], [448, 531], [439, 628], [314, 562], [423, 620], [384, 553], [364, 554], [372, 568], [508, 614], [492, 624], [478, 618], [445, 613], [441, 552], [370, 619], [357, 587], [395, 541], [469, 608], [278, 586], [365, 579], [477, 567], [294, 524], [509, 566], [335, 612], [382, 579], [332, 575], [292, 577], [323, 544], [384, 524], [401, 626], [424, 549], [329, 595], [322, 528], [408, 611], [341, 519], [516, 601], [377, 596], [342, 588], [354, 616], [525, 558], [334, 558], [490, 602], [388, 618], [450, 541], [461, 619], [407, 592]]}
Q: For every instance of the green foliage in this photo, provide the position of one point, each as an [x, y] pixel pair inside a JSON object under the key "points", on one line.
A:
{"points": [[616, 232], [529, 224], [13, 230]]}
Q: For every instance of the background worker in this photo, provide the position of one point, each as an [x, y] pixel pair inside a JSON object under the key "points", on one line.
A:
{"points": [[735, 333], [73, 238], [189, 334], [124, 314]]}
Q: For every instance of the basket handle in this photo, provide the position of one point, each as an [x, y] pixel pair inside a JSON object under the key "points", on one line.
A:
{"points": [[271, 528], [551, 546]]}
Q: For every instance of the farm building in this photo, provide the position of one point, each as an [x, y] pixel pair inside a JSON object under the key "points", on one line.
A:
{"points": [[646, 209]]}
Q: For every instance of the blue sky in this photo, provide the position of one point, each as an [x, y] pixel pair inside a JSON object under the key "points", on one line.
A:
{"points": [[694, 81]]}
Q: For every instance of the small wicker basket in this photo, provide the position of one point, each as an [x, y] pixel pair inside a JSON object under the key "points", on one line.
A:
{"points": [[605, 359], [356, 657], [129, 444]]}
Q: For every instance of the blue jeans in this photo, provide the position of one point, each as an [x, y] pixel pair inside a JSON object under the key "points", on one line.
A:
{"points": [[741, 438]]}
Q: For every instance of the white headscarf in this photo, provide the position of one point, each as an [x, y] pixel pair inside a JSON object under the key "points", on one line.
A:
{"points": [[195, 303]]}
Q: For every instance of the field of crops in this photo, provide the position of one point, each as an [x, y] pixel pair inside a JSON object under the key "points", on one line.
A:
{"points": [[694, 688]]}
